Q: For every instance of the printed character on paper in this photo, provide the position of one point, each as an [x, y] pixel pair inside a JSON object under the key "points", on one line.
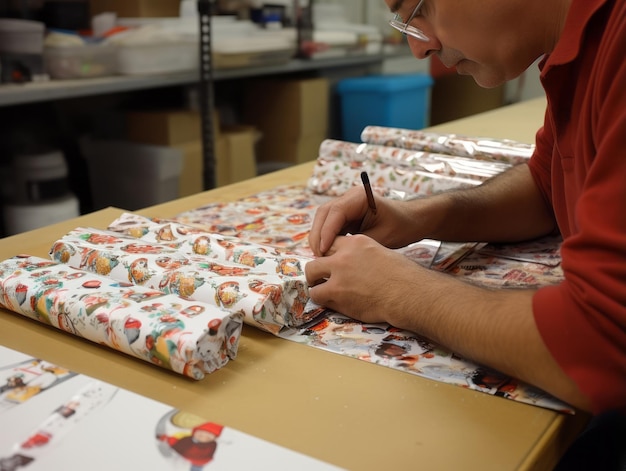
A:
{"points": [[22, 381], [188, 438]]}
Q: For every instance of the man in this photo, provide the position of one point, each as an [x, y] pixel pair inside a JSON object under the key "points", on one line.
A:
{"points": [[568, 339]]}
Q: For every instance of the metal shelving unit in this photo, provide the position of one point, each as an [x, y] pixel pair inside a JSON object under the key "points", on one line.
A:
{"points": [[205, 86], [35, 92], [204, 78]]}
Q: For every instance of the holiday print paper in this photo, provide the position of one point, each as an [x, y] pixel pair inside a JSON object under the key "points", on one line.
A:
{"points": [[269, 289], [402, 350], [479, 148], [189, 337], [339, 166]]}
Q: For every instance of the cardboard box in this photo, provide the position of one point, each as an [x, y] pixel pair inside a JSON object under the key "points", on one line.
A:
{"points": [[167, 127], [131, 175], [191, 180], [458, 96], [289, 150], [136, 8], [234, 154], [288, 107], [179, 129]]}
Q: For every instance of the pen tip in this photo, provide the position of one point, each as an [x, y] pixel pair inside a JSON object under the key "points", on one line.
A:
{"points": [[365, 178]]}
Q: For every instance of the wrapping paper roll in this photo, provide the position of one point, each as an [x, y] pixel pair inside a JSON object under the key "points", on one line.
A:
{"points": [[271, 296], [430, 162], [480, 148], [392, 172], [189, 337]]}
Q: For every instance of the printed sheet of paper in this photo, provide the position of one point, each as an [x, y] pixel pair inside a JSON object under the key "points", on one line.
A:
{"points": [[82, 423], [402, 350]]}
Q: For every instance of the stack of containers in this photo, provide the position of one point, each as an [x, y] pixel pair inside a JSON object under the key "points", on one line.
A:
{"points": [[21, 50], [40, 193], [69, 56]]}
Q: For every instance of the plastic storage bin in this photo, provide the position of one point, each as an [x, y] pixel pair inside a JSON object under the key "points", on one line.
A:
{"points": [[130, 175], [157, 58], [399, 101], [90, 60], [21, 36]]}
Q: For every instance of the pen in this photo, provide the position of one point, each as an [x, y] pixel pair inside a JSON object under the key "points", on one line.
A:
{"points": [[368, 192]]}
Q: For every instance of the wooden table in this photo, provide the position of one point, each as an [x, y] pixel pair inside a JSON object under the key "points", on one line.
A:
{"points": [[348, 412]]}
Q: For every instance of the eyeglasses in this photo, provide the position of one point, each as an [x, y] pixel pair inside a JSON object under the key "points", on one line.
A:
{"points": [[406, 28]]}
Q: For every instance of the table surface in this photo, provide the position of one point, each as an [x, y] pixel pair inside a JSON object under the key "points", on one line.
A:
{"points": [[341, 410]]}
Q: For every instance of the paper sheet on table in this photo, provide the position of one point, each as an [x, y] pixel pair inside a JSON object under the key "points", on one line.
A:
{"points": [[402, 350], [280, 218], [84, 423], [189, 337]]}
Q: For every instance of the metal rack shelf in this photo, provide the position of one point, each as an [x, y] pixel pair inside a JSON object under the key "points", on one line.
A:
{"points": [[33, 92]]}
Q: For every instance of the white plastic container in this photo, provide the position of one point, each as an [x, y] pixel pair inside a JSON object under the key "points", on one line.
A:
{"points": [[88, 60], [251, 51], [21, 36], [155, 48], [157, 58], [25, 217], [130, 175], [38, 177]]}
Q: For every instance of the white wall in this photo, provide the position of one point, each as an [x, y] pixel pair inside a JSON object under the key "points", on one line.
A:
{"points": [[525, 87]]}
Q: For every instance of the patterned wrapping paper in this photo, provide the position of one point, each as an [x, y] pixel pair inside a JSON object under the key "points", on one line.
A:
{"points": [[280, 218], [192, 241], [524, 265], [271, 295], [392, 172], [544, 251], [402, 350], [442, 164], [189, 337], [286, 197], [479, 148]]}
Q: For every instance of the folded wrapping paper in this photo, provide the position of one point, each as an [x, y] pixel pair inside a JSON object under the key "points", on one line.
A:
{"points": [[270, 297], [189, 337], [480, 148], [392, 172]]}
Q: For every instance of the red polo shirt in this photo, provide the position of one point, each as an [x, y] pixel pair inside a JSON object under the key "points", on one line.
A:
{"points": [[580, 166]]}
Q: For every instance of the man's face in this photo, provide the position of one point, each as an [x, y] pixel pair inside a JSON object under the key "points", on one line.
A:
{"points": [[491, 40]]}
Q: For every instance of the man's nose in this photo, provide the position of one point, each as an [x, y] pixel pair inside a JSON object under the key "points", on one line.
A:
{"points": [[421, 49]]}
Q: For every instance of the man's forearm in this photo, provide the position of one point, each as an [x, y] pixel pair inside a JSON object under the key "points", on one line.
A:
{"points": [[492, 327], [506, 208]]}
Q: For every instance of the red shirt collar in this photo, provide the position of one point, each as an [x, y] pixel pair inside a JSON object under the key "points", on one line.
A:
{"points": [[571, 40]]}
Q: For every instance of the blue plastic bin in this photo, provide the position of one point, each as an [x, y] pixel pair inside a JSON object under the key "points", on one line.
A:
{"points": [[398, 101]]}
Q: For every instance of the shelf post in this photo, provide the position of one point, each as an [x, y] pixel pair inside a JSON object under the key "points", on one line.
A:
{"points": [[206, 93]]}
